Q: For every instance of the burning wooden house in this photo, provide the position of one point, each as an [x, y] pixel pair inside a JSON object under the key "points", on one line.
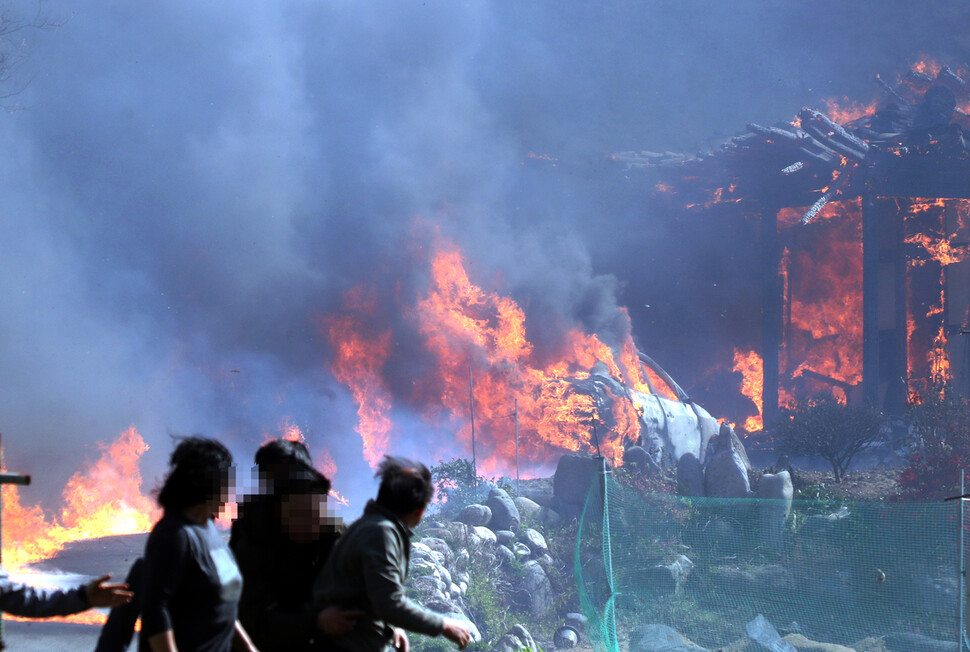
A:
{"points": [[864, 237]]}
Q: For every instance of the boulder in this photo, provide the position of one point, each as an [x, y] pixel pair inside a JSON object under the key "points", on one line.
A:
{"points": [[505, 537], [690, 475], [440, 546], [638, 459], [533, 539], [549, 517], [505, 515], [486, 535], [776, 491], [823, 523], [458, 614], [727, 440], [504, 554], [475, 515], [670, 578], [726, 477], [574, 475], [763, 632], [536, 583], [521, 550], [660, 638], [516, 639], [527, 508]]}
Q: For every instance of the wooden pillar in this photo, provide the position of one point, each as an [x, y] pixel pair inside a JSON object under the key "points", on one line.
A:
{"points": [[772, 313], [870, 298], [897, 393]]}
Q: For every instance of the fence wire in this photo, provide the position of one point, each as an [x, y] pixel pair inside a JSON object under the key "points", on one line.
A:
{"points": [[720, 571]]}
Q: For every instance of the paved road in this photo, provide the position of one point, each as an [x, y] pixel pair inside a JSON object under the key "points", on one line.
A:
{"points": [[83, 559]]}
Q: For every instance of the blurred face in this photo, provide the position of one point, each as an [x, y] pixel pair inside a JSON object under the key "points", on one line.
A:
{"points": [[303, 516], [227, 491]]}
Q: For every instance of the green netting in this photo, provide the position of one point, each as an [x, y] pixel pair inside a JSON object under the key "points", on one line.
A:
{"points": [[836, 572]]}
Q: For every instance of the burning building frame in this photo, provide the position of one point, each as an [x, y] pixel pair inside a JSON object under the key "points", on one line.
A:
{"points": [[863, 212]]}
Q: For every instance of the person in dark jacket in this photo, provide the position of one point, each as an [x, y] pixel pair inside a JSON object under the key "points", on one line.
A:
{"points": [[191, 583], [369, 564], [33, 602], [281, 539]]}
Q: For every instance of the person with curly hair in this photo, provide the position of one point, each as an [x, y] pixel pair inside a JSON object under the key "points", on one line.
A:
{"points": [[191, 583]]}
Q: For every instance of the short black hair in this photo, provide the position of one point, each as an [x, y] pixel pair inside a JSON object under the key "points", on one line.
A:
{"points": [[198, 471], [288, 468], [405, 485], [280, 451]]}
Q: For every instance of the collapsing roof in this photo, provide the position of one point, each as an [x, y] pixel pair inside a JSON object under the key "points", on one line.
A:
{"points": [[914, 145]]}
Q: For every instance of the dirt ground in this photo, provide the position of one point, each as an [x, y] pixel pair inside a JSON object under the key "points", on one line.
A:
{"points": [[870, 484]]}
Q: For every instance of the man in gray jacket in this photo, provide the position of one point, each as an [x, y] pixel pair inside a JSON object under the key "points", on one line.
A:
{"points": [[368, 565]]}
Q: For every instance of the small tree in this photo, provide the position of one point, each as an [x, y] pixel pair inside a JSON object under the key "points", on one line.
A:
{"points": [[456, 485], [828, 429]]}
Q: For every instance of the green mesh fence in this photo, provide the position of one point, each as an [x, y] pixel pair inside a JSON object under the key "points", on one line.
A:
{"points": [[834, 572]]}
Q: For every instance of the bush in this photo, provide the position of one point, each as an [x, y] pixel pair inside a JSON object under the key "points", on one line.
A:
{"points": [[939, 445], [456, 486], [828, 429]]}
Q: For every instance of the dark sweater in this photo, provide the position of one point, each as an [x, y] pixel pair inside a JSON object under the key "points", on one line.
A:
{"points": [[276, 607], [192, 586]]}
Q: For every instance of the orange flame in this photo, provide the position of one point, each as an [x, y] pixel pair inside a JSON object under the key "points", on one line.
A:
{"points": [[358, 358], [846, 110], [752, 367], [104, 500], [466, 327]]}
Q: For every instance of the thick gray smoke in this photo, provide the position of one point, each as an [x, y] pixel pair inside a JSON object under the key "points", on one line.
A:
{"points": [[188, 187]]}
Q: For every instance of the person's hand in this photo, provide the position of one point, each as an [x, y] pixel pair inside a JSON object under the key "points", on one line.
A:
{"points": [[101, 594], [456, 632], [401, 642], [335, 621]]}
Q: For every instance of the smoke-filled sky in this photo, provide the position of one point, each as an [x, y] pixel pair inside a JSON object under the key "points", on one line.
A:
{"points": [[188, 187]]}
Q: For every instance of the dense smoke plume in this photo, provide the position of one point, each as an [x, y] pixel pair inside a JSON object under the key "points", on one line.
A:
{"points": [[190, 187]]}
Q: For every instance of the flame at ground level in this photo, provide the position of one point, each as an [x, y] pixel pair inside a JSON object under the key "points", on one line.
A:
{"points": [[103, 500], [479, 367]]}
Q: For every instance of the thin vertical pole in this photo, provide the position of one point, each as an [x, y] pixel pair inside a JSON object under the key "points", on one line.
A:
{"points": [[963, 569], [515, 415], [772, 315], [471, 411], [870, 297]]}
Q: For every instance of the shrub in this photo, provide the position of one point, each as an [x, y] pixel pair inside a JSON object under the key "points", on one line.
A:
{"points": [[456, 485], [939, 445], [828, 429]]}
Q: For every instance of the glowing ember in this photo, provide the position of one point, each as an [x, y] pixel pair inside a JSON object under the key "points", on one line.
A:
{"points": [[104, 500]]}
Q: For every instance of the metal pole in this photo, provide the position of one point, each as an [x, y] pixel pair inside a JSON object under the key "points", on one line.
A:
{"points": [[963, 571], [471, 411], [515, 415]]}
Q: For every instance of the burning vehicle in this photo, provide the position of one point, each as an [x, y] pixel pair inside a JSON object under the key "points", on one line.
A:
{"points": [[671, 423]]}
